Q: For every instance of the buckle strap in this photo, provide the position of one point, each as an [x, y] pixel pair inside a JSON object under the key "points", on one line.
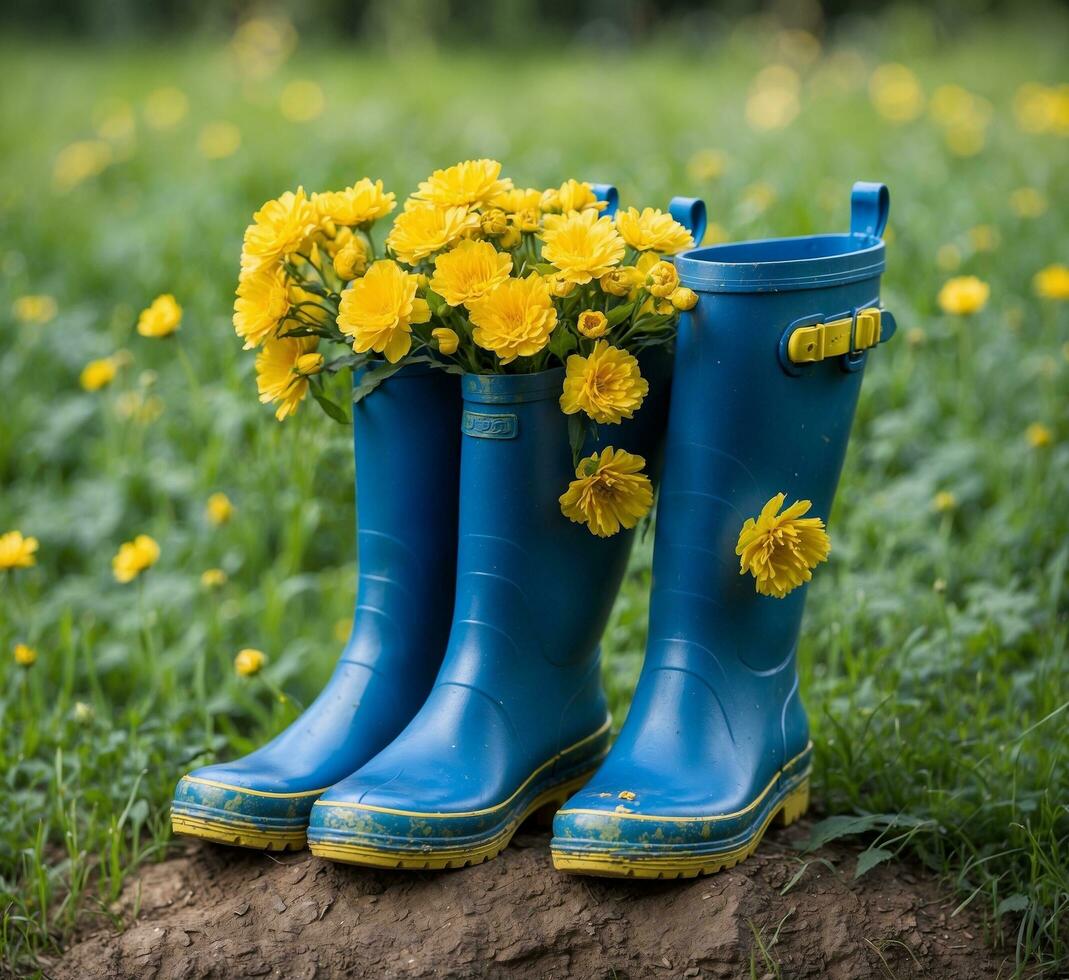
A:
{"points": [[849, 335]]}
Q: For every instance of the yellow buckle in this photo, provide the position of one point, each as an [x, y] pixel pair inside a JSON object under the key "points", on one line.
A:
{"points": [[807, 345]]}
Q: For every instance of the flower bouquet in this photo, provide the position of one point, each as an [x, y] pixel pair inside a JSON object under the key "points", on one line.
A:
{"points": [[476, 276]]}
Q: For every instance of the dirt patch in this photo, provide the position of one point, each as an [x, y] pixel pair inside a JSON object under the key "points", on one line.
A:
{"points": [[218, 912]]}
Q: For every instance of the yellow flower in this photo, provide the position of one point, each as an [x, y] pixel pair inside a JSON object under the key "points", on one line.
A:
{"points": [[572, 195], [1039, 436], [423, 229], [607, 384], [915, 336], [134, 557], [494, 222], [212, 578], [593, 324], [683, 298], [609, 492], [469, 271], [262, 301], [277, 375], [280, 228], [653, 231], [17, 551], [218, 140], [516, 319], [963, 295], [378, 311], [779, 550], [559, 286], [249, 662], [34, 309], [523, 207], [161, 319], [467, 184], [621, 281], [25, 656], [984, 238], [662, 280], [1052, 282], [582, 245], [896, 93], [301, 101], [166, 107], [360, 204], [96, 374], [351, 260], [79, 162], [219, 509], [944, 501], [707, 164], [448, 341], [1028, 202]]}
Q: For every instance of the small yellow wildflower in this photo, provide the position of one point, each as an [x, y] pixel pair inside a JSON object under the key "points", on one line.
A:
{"points": [[213, 578], [79, 162], [99, 373], [662, 280], [218, 140], [249, 662], [653, 231], [277, 375], [262, 301], [1039, 436], [378, 311], [166, 107], [469, 271], [984, 238], [780, 549], [515, 319], [944, 501], [25, 656], [219, 509], [773, 101], [1028, 202], [963, 295], [423, 229], [280, 228], [301, 101], [34, 309], [896, 93], [358, 205], [83, 713], [447, 339], [610, 491], [582, 246], [1052, 282], [467, 184], [607, 385], [17, 551], [916, 336], [683, 298], [161, 319], [351, 260], [134, 557], [593, 324]]}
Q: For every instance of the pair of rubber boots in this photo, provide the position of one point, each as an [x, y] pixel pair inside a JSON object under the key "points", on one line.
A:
{"points": [[469, 694]]}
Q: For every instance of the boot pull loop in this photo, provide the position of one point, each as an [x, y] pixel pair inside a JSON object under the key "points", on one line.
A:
{"points": [[609, 194], [690, 213], [870, 204]]}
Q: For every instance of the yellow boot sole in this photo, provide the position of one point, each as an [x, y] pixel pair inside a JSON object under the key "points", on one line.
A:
{"points": [[237, 836]]}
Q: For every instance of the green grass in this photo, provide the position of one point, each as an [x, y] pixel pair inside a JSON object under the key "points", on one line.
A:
{"points": [[934, 659]]}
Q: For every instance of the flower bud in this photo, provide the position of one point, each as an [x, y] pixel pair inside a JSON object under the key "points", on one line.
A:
{"points": [[683, 298], [593, 324], [308, 364], [662, 279], [249, 662], [448, 341], [351, 260]]}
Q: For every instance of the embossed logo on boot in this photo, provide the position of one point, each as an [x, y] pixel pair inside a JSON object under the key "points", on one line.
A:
{"points": [[490, 426]]}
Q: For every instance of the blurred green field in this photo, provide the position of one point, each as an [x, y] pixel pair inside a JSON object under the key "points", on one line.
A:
{"points": [[934, 657]]}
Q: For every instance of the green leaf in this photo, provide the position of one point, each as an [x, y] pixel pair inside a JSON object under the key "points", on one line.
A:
{"points": [[562, 342], [620, 313], [1012, 903], [577, 426], [832, 828], [374, 377], [336, 412], [869, 858]]}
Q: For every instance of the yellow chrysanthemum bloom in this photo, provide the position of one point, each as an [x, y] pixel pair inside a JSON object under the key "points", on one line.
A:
{"points": [[1039, 436], [963, 295], [280, 228], [1052, 282], [467, 184], [572, 195], [662, 280], [213, 578], [559, 286], [378, 311], [278, 378], [351, 260], [447, 339], [592, 324], [262, 301], [607, 385], [516, 319], [423, 229], [17, 551], [493, 222], [34, 309], [944, 502], [621, 281], [582, 246], [219, 509], [99, 373], [780, 550], [652, 230], [523, 207], [609, 492], [134, 557], [25, 656], [161, 319], [249, 662], [469, 271], [360, 204], [683, 299]]}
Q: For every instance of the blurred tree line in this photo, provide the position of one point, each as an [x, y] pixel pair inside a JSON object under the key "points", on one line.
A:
{"points": [[508, 22]]}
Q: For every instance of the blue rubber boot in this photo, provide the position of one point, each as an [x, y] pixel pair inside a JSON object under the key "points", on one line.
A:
{"points": [[517, 719], [767, 374], [406, 438]]}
